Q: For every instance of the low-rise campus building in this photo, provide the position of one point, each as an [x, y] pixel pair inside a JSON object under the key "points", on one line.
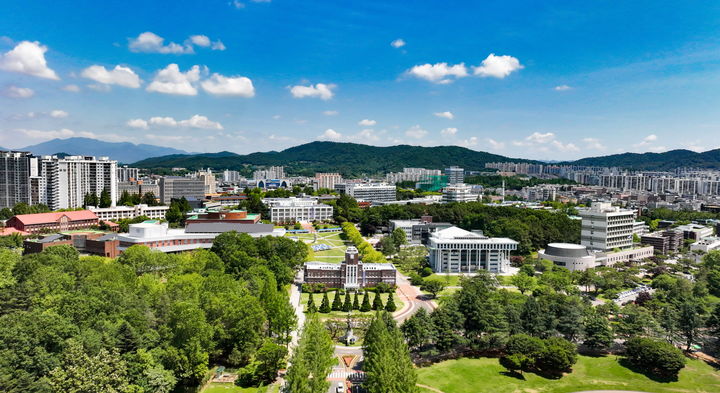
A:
{"points": [[287, 210], [455, 250], [352, 273], [129, 212], [53, 222]]}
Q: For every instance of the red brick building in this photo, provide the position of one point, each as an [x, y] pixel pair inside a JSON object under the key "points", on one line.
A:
{"points": [[352, 273], [53, 222]]}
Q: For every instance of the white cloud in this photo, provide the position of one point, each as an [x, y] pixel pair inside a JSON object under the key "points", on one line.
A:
{"points": [[438, 73], [650, 138], [58, 114], [152, 43], [320, 90], [495, 145], [367, 123], [536, 138], [330, 113], [450, 131], [18, 92], [27, 58], [331, 135], [99, 87], [198, 121], [237, 4], [218, 45], [565, 147], [72, 88], [171, 81], [121, 76], [137, 123], [545, 142], [647, 142], [398, 43], [367, 135], [472, 141], [200, 40], [497, 66], [447, 115], [163, 121], [416, 132], [229, 86], [562, 88], [52, 134], [593, 143]]}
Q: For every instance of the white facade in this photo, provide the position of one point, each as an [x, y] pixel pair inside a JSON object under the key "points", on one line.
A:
{"points": [[406, 226], [706, 244], [606, 227], [16, 168], [231, 176], [455, 175], [411, 174], [122, 212], [273, 172], [368, 191], [327, 180], [297, 209], [455, 250], [125, 174], [64, 182], [459, 193], [570, 256]]}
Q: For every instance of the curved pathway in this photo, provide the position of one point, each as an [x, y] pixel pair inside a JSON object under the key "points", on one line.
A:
{"points": [[412, 298], [429, 388]]}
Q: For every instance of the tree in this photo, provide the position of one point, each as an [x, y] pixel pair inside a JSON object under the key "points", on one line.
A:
{"points": [[656, 357], [387, 246], [387, 359], [90, 199], [347, 305], [149, 199], [399, 237], [598, 334], [80, 372], [337, 303], [523, 282], [689, 322], [514, 363], [377, 304], [356, 303], [270, 358], [365, 307], [558, 356], [433, 286], [312, 360], [325, 305], [311, 303], [418, 329], [390, 306], [105, 199]]}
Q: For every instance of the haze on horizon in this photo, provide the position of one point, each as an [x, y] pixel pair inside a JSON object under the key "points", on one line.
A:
{"points": [[550, 80]]}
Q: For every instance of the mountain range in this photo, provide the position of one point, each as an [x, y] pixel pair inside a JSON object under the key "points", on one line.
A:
{"points": [[666, 161], [124, 152]]}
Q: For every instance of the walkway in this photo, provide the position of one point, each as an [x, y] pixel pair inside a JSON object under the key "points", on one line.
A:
{"points": [[412, 298], [429, 388]]}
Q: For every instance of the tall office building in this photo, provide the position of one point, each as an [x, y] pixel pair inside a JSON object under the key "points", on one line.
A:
{"points": [[15, 171], [455, 175], [231, 176], [126, 174], [176, 187], [327, 180], [208, 179], [606, 227], [273, 172], [64, 182]]}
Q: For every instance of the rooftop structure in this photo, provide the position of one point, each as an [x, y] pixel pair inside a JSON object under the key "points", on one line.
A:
{"points": [[286, 210], [368, 191], [122, 212]]}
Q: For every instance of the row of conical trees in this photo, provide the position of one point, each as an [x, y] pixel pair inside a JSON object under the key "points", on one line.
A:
{"points": [[351, 302]]}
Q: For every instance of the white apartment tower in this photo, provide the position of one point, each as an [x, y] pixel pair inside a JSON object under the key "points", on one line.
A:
{"points": [[455, 175], [16, 168], [64, 182], [606, 227], [327, 180]]}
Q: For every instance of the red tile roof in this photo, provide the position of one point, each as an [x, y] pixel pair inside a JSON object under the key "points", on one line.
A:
{"points": [[47, 218], [10, 230]]}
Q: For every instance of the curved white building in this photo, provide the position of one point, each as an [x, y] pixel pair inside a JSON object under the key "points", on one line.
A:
{"points": [[570, 256]]}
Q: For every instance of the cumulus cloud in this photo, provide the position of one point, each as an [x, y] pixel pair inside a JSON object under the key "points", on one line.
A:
{"points": [[446, 115], [198, 121], [200, 40], [367, 123], [545, 142], [562, 88], [470, 142], [497, 66], [121, 76], [137, 123], [565, 147], [331, 135], [416, 132], [441, 73], [647, 143], [239, 86], [398, 43], [330, 113], [163, 121], [367, 135], [495, 145], [650, 138], [58, 114], [171, 80], [593, 143], [320, 90], [72, 88], [27, 58], [150, 42], [18, 92], [450, 131]]}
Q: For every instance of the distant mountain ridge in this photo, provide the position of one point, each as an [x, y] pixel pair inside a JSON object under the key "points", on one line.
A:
{"points": [[655, 161], [349, 159], [124, 152]]}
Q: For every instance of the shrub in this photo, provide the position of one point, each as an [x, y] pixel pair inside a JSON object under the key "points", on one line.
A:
{"points": [[656, 357]]}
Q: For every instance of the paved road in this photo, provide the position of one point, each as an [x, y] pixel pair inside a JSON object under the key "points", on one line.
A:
{"points": [[413, 298]]}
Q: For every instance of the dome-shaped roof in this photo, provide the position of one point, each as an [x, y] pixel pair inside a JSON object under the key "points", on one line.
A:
{"points": [[566, 250]]}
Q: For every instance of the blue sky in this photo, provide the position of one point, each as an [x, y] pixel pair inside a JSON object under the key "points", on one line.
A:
{"points": [[534, 79]]}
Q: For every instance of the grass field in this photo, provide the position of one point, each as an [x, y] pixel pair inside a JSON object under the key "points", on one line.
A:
{"points": [[449, 280], [318, 300], [603, 373], [231, 388], [332, 239]]}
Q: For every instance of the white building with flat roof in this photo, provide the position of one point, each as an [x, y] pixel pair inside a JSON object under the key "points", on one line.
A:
{"points": [[455, 250], [706, 244], [459, 193], [368, 191], [297, 209], [606, 227], [122, 212], [64, 182]]}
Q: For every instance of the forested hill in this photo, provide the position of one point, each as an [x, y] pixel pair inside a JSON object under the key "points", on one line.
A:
{"points": [[656, 161], [349, 159]]}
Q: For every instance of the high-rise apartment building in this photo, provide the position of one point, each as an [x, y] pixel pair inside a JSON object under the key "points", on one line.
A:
{"points": [[606, 227], [208, 180], [455, 175], [231, 176], [372, 192], [176, 187], [412, 174], [273, 172], [126, 174], [64, 182], [16, 168], [327, 180]]}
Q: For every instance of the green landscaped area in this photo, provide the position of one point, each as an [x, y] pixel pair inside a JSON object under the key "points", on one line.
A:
{"points": [[450, 280], [319, 296], [231, 388], [589, 373], [333, 239]]}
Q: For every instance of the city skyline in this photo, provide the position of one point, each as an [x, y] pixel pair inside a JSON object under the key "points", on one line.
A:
{"points": [[550, 81]]}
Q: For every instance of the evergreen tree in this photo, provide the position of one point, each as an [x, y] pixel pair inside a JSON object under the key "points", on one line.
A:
{"points": [[689, 322], [365, 307], [356, 303], [347, 306], [311, 304], [377, 304], [337, 303], [390, 306], [419, 329], [105, 199], [149, 199], [325, 305], [312, 360], [90, 199], [387, 359], [597, 332]]}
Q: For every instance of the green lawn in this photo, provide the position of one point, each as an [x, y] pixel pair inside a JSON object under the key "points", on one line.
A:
{"points": [[319, 296], [449, 280], [604, 373], [332, 239], [231, 388]]}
